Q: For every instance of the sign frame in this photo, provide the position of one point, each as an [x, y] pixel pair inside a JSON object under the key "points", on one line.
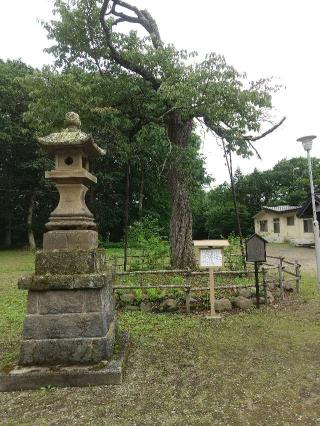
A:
{"points": [[258, 258], [213, 250]]}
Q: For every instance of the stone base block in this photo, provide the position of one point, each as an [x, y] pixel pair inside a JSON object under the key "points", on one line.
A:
{"points": [[70, 240], [34, 377], [68, 351], [70, 262], [68, 327], [65, 282]]}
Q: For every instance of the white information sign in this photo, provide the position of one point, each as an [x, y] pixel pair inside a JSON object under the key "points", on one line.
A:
{"points": [[210, 257]]}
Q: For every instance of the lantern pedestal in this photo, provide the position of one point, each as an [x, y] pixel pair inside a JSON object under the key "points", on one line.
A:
{"points": [[70, 327]]}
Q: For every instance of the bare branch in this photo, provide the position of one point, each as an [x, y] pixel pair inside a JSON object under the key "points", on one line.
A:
{"points": [[221, 132], [267, 132], [143, 18], [254, 149]]}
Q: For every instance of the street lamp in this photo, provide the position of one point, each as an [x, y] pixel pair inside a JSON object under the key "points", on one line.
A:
{"points": [[307, 145]]}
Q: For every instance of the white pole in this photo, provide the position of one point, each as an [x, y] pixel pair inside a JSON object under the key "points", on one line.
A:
{"points": [[315, 220]]}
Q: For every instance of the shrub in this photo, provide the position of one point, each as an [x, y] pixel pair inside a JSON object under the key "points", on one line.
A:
{"points": [[147, 236]]}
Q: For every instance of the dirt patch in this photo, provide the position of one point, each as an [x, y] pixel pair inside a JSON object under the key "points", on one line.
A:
{"points": [[305, 256]]}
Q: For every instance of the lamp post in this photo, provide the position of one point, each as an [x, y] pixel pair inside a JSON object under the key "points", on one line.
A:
{"points": [[307, 145]]}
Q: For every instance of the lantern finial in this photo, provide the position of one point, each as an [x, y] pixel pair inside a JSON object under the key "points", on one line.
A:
{"points": [[72, 121]]}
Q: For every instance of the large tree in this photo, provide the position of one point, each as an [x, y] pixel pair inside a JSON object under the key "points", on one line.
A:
{"points": [[120, 197], [174, 91]]}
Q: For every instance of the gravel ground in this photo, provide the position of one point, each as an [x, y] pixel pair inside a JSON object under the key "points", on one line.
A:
{"points": [[305, 256]]}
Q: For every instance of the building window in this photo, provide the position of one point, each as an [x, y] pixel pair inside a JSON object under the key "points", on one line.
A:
{"points": [[290, 220], [263, 226], [307, 225], [276, 226]]}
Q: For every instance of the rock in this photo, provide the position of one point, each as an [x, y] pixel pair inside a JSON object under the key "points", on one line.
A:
{"points": [[169, 305], [146, 306], [242, 303], [288, 287], [277, 293], [271, 286], [270, 296], [253, 291], [245, 292], [222, 305], [128, 298]]}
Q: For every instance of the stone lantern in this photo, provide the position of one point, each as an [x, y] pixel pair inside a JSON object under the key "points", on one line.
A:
{"points": [[70, 321], [71, 224]]}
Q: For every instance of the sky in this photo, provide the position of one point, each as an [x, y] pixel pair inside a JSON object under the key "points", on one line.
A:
{"points": [[264, 38]]}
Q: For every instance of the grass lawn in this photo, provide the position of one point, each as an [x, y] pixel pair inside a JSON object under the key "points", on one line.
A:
{"points": [[257, 368]]}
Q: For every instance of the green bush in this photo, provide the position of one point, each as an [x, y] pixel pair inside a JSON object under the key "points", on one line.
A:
{"points": [[233, 258], [147, 237]]}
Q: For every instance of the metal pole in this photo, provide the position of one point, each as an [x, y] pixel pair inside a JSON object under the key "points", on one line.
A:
{"points": [[315, 221]]}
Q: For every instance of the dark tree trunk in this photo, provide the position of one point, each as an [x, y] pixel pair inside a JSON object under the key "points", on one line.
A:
{"points": [[228, 156], [32, 243], [8, 233], [126, 217], [181, 244], [141, 194], [236, 209]]}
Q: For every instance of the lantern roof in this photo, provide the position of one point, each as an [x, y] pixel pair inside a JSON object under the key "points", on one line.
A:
{"points": [[71, 137]]}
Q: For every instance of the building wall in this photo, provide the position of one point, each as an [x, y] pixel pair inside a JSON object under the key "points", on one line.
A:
{"points": [[293, 233]]}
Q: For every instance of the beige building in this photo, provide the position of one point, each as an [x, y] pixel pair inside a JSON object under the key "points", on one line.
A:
{"points": [[281, 224]]}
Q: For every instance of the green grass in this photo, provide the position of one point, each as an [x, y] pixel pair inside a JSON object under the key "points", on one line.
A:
{"points": [[255, 368]]}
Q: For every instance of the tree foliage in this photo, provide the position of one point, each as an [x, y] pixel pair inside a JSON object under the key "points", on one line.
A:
{"points": [[287, 183], [170, 89], [21, 164]]}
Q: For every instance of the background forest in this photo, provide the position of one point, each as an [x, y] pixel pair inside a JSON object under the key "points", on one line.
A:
{"points": [[131, 177], [142, 100]]}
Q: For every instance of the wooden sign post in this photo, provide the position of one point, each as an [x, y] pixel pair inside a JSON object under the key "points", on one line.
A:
{"points": [[256, 252], [212, 295], [211, 256]]}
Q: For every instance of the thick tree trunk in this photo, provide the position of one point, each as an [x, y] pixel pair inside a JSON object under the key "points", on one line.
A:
{"points": [[8, 233], [126, 216], [32, 243], [181, 244]]}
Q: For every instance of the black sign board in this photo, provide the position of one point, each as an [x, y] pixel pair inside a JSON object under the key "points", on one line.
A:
{"points": [[256, 249], [256, 252]]}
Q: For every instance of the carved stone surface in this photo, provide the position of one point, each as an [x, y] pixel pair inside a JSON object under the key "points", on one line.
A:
{"points": [[64, 282], [71, 148], [104, 373], [70, 240], [68, 326], [68, 351], [70, 262]]}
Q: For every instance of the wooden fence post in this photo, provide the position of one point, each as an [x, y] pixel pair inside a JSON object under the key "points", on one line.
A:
{"points": [[187, 290], [115, 264], [264, 284], [297, 271], [280, 272]]}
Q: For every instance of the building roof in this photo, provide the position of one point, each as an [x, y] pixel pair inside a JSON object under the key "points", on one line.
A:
{"points": [[281, 209], [256, 236], [278, 209], [306, 209]]}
